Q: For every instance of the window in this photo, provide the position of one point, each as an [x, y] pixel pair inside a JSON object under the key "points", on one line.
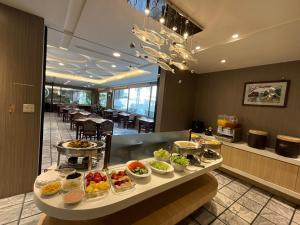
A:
{"points": [[121, 99], [139, 100], [68, 95], [103, 99]]}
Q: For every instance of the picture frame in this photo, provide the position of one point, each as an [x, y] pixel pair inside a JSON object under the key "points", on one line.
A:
{"points": [[266, 93]]}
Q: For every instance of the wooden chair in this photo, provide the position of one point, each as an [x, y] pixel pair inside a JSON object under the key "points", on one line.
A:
{"points": [[106, 128], [93, 115], [89, 129], [131, 121], [65, 113], [72, 120]]}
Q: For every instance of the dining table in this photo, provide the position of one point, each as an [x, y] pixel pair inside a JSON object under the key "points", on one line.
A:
{"points": [[146, 123], [98, 122], [82, 113]]}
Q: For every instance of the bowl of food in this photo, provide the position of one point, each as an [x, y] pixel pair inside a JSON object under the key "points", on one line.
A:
{"points": [[161, 167], [79, 144], [74, 176], [121, 181], [179, 162], [162, 155], [187, 147], [73, 197], [138, 169], [51, 188], [96, 183]]}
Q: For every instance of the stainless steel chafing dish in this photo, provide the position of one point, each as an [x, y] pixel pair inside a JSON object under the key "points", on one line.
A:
{"points": [[95, 151]]}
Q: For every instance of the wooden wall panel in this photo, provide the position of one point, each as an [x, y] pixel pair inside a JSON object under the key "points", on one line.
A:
{"points": [[272, 170], [21, 60]]}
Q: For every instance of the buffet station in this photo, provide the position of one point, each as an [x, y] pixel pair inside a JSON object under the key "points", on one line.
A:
{"points": [[164, 178], [275, 169]]}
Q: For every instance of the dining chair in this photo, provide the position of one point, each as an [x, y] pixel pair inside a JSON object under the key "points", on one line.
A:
{"points": [[106, 128], [89, 129]]}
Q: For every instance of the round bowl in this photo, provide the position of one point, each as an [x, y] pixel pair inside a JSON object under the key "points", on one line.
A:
{"points": [[165, 159], [169, 170], [178, 167], [137, 175], [73, 197]]}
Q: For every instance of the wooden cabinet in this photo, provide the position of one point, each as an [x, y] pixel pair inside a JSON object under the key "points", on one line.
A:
{"points": [[269, 169]]}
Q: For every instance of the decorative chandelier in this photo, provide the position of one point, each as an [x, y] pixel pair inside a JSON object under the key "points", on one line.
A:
{"points": [[169, 47]]}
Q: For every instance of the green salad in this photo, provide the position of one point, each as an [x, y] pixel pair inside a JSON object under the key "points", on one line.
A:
{"points": [[181, 160], [159, 165], [161, 153]]}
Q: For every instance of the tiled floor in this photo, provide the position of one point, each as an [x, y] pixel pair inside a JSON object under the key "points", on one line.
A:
{"points": [[236, 203]]}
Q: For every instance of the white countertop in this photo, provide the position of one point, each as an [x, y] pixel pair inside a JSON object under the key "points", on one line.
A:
{"points": [[95, 208], [268, 152]]}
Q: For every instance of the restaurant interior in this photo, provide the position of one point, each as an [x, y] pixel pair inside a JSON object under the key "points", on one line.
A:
{"points": [[149, 112]]}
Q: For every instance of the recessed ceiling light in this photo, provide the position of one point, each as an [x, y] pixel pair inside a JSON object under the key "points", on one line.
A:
{"points": [[223, 61], [197, 47], [116, 54], [91, 76], [61, 64], [174, 28], [62, 48], [67, 82], [113, 66], [162, 20], [235, 36], [147, 11]]}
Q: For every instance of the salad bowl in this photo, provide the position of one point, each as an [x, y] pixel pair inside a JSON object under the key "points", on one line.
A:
{"points": [[138, 169], [161, 167]]}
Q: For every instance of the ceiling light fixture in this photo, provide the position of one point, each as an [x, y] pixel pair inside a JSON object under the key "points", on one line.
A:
{"points": [[116, 54], [185, 35], [113, 66], [162, 20], [61, 64], [235, 36], [223, 61], [67, 82], [174, 28], [197, 47], [62, 48], [91, 76]]}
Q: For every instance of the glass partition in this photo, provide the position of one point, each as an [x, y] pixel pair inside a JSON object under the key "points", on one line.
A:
{"points": [[121, 99], [103, 99]]}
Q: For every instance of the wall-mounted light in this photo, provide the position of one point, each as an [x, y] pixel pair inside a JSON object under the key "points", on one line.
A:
{"points": [[116, 54]]}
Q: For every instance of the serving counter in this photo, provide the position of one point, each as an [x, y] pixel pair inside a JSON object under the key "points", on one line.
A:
{"points": [[157, 192]]}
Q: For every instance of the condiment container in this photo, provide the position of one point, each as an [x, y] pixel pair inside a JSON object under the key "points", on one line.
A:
{"points": [[257, 139], [287, 146]]}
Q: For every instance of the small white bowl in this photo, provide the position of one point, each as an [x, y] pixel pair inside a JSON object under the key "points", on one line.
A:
{"points": [[170, 170], [177, 167], [137, 175]]}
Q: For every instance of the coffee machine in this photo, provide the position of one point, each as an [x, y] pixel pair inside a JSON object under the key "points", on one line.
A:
{"points": [[229, 129]]}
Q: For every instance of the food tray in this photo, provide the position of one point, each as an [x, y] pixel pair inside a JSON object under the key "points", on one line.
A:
{"points": [[99, 192], [117, 189]]}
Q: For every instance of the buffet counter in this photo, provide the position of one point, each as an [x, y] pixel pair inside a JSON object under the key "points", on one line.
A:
{"points": [[265, 167], [145, 188]]}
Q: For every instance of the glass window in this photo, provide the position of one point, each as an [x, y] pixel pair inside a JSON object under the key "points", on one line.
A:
{"points": [[152, 102], [48, 93], [56, 94], [82, 97], [121, 99], [66, 95], [139, 100], [103, 99]]}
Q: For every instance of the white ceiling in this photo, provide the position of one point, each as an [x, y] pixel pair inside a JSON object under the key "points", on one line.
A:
{"points": [[269, 30]]}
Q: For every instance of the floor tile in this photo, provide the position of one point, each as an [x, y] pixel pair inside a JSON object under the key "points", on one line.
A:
{"points": [[243, 212], [262, 221], [203, 217], [188, 221], [222, 180], [214, 208], [29, 209], [256, 197], [14, 200], [217, 222], [250, 204], [229, 193], [29, 197], [280, 208], [238, 187], [32, 220], [10, 213], [12, 223], [274, 217], [223, 200], [230, 218], [296, 217], [283, 202]]}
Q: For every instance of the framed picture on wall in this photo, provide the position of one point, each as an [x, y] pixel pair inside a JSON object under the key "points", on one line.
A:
{"points": [[266, 93]]}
